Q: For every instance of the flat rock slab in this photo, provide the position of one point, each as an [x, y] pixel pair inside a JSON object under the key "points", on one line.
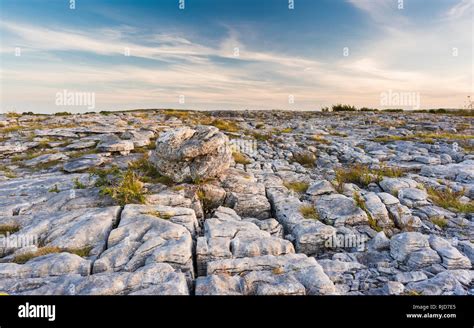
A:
{"points": [[70, 230], [291, 274], [231, 237], [112, 143], [153, 279], [337, 210], [150, 234], [84, 163]]}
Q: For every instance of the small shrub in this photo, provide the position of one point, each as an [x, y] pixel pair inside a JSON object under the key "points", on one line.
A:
{"points": [[343, 108]]}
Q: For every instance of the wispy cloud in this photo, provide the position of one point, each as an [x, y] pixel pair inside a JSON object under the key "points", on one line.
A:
{"points": [[210, 76]]}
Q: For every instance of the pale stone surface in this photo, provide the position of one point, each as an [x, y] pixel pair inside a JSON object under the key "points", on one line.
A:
{"points": [[187, 154]]}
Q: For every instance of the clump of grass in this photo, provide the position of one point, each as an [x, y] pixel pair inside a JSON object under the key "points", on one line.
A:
{"points": [[450, 199], [286, 130], [54, 189], [240, 158], [361, 203], [23, 258], [7, 172], [309, 212], [12, 115], [306, 159], [181, 114], [225, 125], [278, 270], [440, 222], [10, 129], [78, 184], [147, 172], [296, 186], [128, 190], [45, 166], [161, 215], [261, 136], [466, 146], [105, 177], [362, 175], [320, 139], [80, 153], [8, 229], [82, 251], [425, 137]]}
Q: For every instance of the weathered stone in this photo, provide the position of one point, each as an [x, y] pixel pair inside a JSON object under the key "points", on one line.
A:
{"points": [[284, 274], [338, 210], [112, 143], [452, 258], [403, 244], [187, 154], [150, 234]]}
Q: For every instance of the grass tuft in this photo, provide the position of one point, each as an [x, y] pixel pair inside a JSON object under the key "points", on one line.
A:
{"points": [[309, 212], [296, 186], [450, 200]]}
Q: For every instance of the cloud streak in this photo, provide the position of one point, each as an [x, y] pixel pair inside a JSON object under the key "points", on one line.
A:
{"points": [[211, 76]]}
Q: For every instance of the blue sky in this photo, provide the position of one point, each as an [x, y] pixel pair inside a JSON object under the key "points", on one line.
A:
{"points": [[191, 54]]}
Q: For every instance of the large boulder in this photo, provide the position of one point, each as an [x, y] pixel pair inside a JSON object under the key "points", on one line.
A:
{"points": [[187, 154]]}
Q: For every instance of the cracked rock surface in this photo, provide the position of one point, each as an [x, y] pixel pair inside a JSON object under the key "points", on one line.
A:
{"points": [[167, 202]]}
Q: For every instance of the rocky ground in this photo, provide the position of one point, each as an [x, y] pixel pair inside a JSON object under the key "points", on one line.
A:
{"points": [[241, 203]]}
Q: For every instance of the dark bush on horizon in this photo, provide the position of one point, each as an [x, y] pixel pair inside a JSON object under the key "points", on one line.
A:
{"points": [[343, 108], [394, 110]]}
